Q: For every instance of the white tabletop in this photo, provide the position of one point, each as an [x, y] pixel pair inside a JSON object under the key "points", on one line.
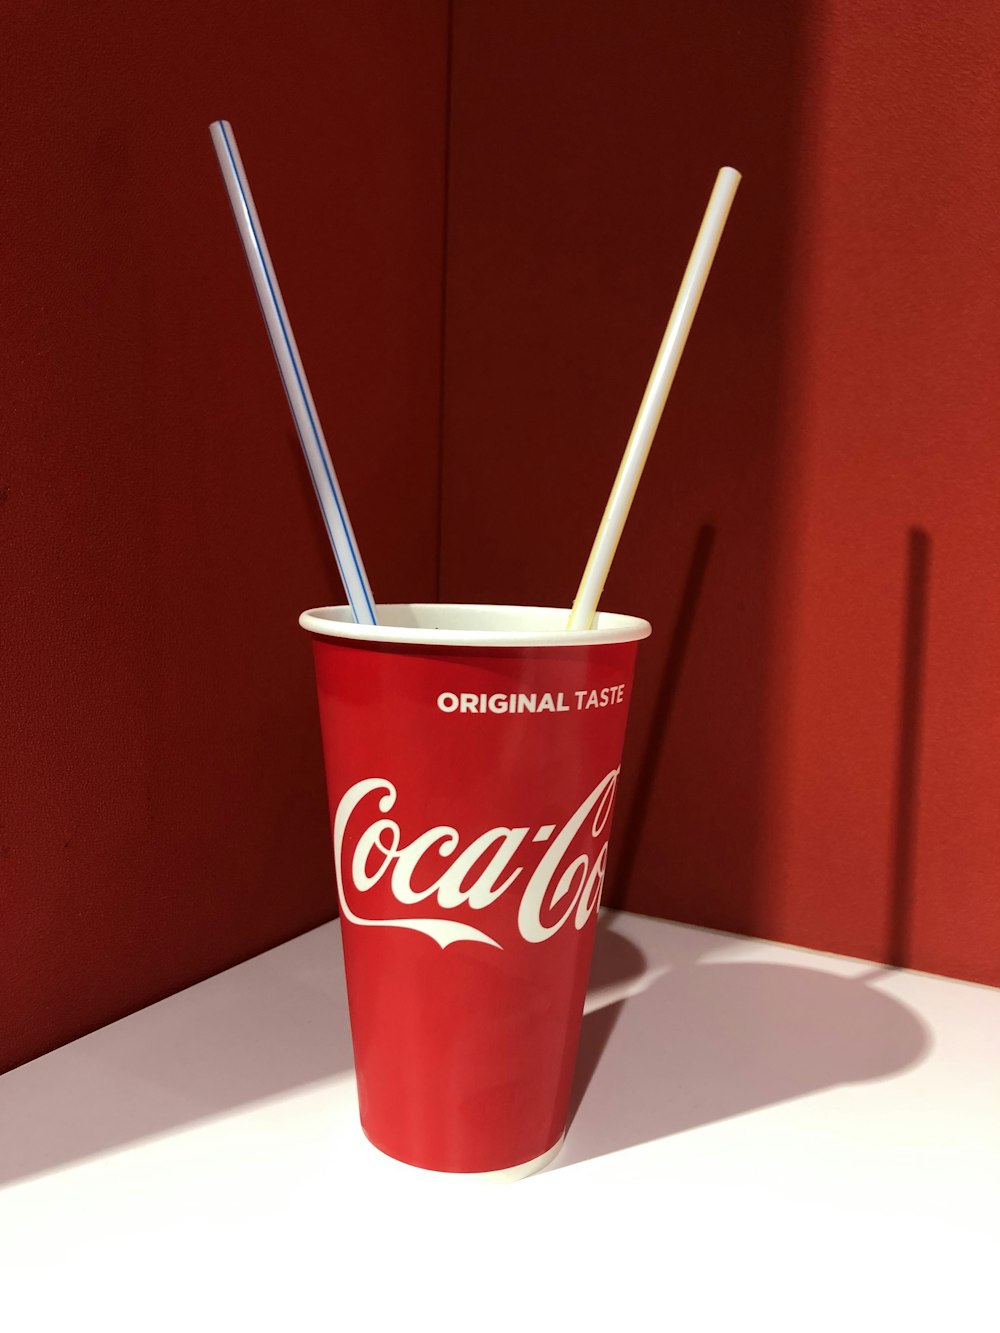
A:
{"points": [[766, 1138]]}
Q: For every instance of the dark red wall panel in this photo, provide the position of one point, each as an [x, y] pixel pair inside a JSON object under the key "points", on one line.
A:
{"points": [[162, 802], [813, 752]]}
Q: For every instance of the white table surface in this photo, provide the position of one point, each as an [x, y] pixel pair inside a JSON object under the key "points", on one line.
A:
{"points": [[766, 1137]]}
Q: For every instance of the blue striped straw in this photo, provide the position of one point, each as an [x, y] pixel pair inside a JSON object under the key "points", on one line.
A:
{"points": [[293, 376]]}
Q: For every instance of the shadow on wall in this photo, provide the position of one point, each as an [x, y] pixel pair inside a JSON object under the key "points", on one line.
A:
{"points": [[897, 951], [663, 705], [710, 1040], [638, 826]]}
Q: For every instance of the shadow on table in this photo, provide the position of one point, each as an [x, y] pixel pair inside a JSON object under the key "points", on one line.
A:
{"points": [[708, 1040], [274, 1023], [703, 1041]]}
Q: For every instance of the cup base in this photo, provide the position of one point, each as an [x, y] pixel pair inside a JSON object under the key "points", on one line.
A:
{"points": [[504, 1175]]}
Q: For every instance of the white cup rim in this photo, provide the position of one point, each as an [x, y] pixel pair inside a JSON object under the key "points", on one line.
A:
{"points": [[473, 625]]}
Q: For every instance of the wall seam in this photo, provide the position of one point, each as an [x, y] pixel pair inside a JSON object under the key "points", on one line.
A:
{"points": [[445, 216]]}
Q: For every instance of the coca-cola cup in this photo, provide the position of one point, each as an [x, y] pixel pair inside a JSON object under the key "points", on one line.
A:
{"points": [[472, 755]]}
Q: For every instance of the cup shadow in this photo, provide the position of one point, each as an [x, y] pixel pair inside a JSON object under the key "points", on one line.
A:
{"points": [[699, 1041], [276, 1022], [694, 1042]]}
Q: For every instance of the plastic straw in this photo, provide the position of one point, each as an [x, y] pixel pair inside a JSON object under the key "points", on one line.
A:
{"points": [[651, 409], [293, 376]]}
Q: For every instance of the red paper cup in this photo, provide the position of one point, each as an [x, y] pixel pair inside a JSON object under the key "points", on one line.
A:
{"points": [[472, 755]]}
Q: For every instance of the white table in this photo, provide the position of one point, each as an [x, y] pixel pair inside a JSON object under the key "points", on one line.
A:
{"points": [[770, 1138]]}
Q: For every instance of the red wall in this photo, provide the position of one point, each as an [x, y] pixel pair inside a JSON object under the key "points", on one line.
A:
{"points": [[813, 751], [162, 807]]}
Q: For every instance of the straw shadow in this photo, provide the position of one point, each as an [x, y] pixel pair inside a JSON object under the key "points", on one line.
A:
{"points": [[666, 695], [616, 965], [274, 1023], [908, 754], [704, 1041]]}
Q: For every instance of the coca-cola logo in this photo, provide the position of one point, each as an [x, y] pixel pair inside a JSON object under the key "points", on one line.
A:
{"points": [[562, 888]]}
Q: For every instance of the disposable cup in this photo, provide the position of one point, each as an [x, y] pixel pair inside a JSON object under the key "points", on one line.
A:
{"points": [[472, 757]]}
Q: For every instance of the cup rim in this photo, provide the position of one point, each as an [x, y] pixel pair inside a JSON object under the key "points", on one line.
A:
{"points": [[452, 625]]}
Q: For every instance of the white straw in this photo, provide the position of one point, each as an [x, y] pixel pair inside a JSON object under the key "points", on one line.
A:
{"points": [[293, 376], [651, 408]]}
